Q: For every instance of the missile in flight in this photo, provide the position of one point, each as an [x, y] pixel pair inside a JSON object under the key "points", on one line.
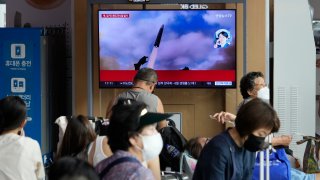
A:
{"points": [[158, 39], [154, 53]]}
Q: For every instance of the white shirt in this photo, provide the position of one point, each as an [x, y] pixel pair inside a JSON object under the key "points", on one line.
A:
{"points": [[20, 158], [62, 122], [98, 153]]}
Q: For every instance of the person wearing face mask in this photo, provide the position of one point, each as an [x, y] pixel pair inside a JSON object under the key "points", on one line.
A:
{"points": [[133, 138], [231, 154], [144, 83], [252, 85]]}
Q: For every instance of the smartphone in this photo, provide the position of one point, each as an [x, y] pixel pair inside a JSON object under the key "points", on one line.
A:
{"points": [[18, 50]]}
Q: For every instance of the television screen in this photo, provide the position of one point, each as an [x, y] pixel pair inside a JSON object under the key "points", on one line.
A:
{"points": [[187, 48]]}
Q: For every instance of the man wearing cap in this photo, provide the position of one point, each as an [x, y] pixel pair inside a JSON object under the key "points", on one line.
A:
{"points": [[144, 83], [134, 139]]}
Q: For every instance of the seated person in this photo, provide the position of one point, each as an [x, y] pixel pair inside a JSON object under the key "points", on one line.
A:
{"points": [[99, 150], [77, 138], [252, 85], [71, 168], [283, 140], [133, 138], [20, 156], [231, 154], [191, 154], [195, 146]]}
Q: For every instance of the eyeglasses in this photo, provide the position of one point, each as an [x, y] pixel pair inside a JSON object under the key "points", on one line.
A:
{"points": [[257, 87], [263, 85]]}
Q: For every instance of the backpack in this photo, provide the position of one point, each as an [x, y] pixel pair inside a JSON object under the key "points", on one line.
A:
{"points": [[173, 145], [311, 158]]}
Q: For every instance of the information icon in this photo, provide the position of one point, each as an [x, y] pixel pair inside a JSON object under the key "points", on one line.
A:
{"points": [[18, 85], [18, 51]]}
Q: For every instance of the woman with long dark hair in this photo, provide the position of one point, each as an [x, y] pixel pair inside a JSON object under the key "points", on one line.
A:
{"points": [[77, 138]]}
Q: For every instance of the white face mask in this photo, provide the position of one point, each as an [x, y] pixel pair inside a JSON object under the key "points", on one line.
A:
{"points": [[152, 146], [264, 93]]}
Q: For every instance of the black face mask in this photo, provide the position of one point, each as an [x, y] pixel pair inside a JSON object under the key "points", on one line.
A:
{"points": [[255, 143]]}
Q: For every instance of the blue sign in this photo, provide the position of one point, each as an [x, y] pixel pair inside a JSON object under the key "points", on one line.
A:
{"points": [[20, 72]]}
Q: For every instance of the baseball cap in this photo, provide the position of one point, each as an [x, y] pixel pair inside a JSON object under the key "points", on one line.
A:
{"points": [[147, 118], [131, 115]]}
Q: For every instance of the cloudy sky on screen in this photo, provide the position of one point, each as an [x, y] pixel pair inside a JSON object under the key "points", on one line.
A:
{"points": [[187, 39]]}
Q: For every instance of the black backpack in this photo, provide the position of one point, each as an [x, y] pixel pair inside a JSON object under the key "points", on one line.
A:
{"points": [[173, 146]]}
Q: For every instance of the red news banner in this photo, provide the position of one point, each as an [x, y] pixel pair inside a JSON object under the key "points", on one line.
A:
{"points": [[172, 75]]}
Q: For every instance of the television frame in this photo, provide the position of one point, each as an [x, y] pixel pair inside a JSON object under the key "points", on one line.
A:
{"points": [[173, 84]]}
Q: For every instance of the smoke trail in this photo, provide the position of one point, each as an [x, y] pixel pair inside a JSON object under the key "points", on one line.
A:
{"points": [[152, 57]]}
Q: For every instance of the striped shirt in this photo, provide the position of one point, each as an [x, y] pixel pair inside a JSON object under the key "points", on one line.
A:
{"points": [[124, 170]]}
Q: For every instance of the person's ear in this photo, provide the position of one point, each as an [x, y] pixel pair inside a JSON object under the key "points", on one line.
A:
{"points": [[152, 87], [133, 140], [23, 123], [251, 92]]}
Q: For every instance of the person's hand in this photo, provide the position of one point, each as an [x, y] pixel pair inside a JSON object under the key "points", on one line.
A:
{"points": [[286, 139], [283, 140], [216, 44], [223, 117]]}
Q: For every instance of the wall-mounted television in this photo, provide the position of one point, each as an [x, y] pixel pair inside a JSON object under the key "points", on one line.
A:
{"points": [[187, 48]]}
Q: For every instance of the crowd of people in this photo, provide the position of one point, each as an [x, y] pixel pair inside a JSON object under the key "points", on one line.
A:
{"points": [[130, 148]]}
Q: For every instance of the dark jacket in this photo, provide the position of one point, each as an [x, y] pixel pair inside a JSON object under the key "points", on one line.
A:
{"points": [[222, 159]]}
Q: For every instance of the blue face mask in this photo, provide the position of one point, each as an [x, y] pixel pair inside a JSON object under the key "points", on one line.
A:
{"points": [[255, 143]]}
